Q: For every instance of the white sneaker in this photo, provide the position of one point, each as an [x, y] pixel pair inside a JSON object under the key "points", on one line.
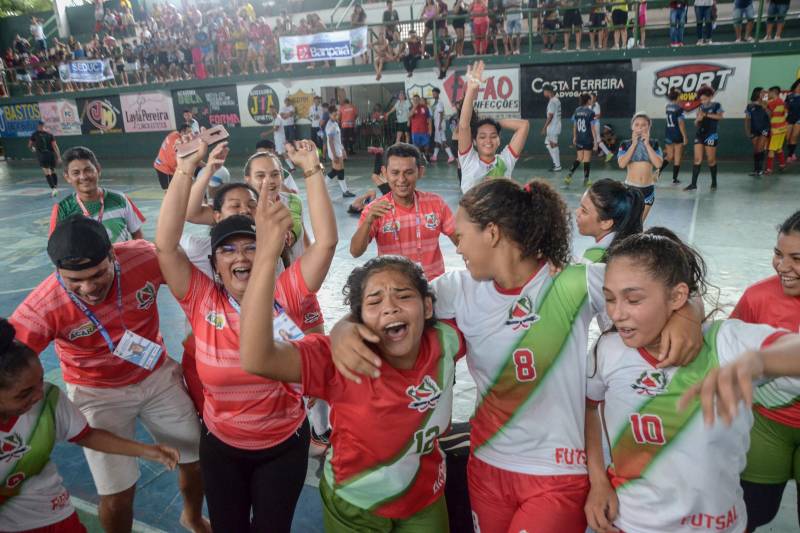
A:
{"points": [[737, 41], [749, 40], [53, 193]]}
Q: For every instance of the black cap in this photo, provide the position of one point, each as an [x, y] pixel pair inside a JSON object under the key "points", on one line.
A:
{"points": [[78, 243], [231, 226]]}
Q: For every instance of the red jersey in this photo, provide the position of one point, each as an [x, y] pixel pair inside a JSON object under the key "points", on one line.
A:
{"points": [[413, 232], [349, 113], [419, 119], [242, 410], [765, 303], [385, 454], [167, 159], [777, 116], [48, 314]]}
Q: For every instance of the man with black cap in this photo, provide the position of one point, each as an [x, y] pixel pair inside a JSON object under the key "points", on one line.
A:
{"points": [[98, 304], [44, 145]]}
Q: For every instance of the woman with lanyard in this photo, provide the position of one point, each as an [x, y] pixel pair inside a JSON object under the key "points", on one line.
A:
{"points": [[706, 138], [609, 212], [120, 216], [254, 449], [527, 468], [775, 439], [640, 155]]}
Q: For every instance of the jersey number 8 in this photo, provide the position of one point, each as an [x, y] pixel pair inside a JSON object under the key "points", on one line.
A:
{"points": [[524, 364]]}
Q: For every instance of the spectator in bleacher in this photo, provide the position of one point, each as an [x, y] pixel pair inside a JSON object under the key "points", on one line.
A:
{"points": [[99, 13], [460, 11], [513, 26], [776, 17], [382, 53], [480, 25], [390, 20], [642, 22], [573, 23], [677, 21], [37, 32], [548, 23], [702, 13], [413, 51], [429, 13], [619, 21], [441, 18], [445, 53], [598, 32], [497, 24], [21, 45], [743, 10]]}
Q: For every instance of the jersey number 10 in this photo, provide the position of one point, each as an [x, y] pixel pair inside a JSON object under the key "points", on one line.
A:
{"points": [[647, 429]]}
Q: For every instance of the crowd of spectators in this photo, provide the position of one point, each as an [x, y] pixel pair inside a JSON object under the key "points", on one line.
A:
{"points": [[206, 40]]}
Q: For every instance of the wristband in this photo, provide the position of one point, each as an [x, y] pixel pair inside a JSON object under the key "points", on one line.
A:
{"points": [[319, 167]]}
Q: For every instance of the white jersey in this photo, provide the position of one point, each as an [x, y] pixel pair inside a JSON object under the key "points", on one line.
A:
{"points": [[279, 123], [544, 436], [438, 115], [402, 109], [289, 110], [693, 483], [42, 500], [554, 108], [334, 135], [315, 115], [474, 169]]}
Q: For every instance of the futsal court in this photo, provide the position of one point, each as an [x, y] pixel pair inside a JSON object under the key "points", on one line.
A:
{"points": [[734, 228]]}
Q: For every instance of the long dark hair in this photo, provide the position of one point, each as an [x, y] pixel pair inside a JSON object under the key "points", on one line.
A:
{"points": [[617, 202], [14, 356]]}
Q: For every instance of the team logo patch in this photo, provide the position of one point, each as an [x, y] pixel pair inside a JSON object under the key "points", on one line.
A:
{"points": [[391, 227], [688, 78], [431, 221], [521, 315], [650, 383], [146, 296], [310, 318], [84, 330], [425, 395], [216, 319], [12, 448]]}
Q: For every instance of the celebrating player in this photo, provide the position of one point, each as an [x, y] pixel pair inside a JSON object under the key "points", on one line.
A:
{"points": [[477, 146], [640, 156], [584, 138], [655, 448], [527, 334], [399, 485], [609, 212], [706, 138]]}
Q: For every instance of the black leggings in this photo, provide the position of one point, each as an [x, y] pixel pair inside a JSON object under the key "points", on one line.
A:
{"points": [[268, 482], [763, 502]]}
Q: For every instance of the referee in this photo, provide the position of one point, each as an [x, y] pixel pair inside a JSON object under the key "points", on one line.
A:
{"points": [[44, 145]]}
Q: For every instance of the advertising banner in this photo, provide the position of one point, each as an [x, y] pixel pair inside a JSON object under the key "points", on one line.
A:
{"points": [[221, 102], [613, 82], [498, 96], [19, 120], [728, 76], [255, 101], [767, 71], [343, 44], [61, 117], [86, 71], [147, 112], [100, 115]]}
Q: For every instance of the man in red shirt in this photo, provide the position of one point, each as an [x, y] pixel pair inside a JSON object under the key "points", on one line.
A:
{"points": [[348, 113], [99, 307], [420, 121], [167, 160], [406, 221]]}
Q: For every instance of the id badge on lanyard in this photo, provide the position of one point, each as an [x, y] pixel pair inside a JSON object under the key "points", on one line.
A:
{"points": [[86, 211], [132, 347], [283, 328]]}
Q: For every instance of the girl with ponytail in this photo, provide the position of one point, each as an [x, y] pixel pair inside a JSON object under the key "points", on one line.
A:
{"points": [[34, 415], [526, 330], [655, 446], [609, 212]]}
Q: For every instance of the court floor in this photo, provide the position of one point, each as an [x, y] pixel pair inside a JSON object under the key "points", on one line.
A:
{"points": [[734, 227]]}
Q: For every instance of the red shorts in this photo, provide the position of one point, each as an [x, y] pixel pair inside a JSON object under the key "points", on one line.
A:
{"points": [[71, 524], [504, 501]]}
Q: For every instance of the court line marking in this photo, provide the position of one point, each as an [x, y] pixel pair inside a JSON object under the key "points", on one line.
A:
{"points": [[90, 508], [694, 217], [14, 291]]}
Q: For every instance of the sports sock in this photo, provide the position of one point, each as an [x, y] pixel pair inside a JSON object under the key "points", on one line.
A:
{"points": [[781, 158], [342, 181], [449, 151], [554, 155], [436, 152], [770, 159], [790, 149], [695, 174], [675, 171], [587, 168], [575, 165], [664, 165], [756, 162], [713, 169]]}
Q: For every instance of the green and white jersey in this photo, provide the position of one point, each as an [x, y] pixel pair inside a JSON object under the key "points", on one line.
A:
{"points": [[115, 211], [673, 474], [474, 169]]}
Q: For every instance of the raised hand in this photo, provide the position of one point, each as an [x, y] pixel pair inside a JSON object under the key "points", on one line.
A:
{"points": [[193, 159], [217, 156], [273, 220], [475, 74], [378, 209], [303, 154]]}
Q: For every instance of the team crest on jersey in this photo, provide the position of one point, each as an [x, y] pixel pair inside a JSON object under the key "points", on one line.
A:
{"points": [[425, 395], [431, 221], [84, 330], [650, 383], [521, 315], [146, 296], [391, 227], [216, 319], [12, 448], [310, 318]]}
